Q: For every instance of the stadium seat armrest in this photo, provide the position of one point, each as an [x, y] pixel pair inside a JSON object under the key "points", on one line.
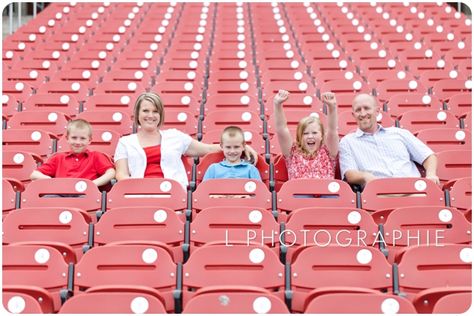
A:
{"points": [[283, 247], [396, 285], [90, 239], [178, 292], [288, 291], [382, 245], [67, 293]]}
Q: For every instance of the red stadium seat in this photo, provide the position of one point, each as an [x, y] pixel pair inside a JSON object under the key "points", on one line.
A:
{"points": [[357, 226], [420, 66], [336, 268], [51, 122], [460, 193], [367, 55], [343, 74], [147, 192], [244, 87], [421, 225], [411, 55], [116, 121], [9, 105], [388, 88], [427, 267], [48, 225], [145, 223], [385, 194], [27, 300], [376, 77], [33, 78], [9, 197], [344, 86], [138, 76], [83, 76], [454, 164], [439, 139], [35, 141], [17, 90], [181, 120], [429, 77], [455, 56], [86, 68], [231, 102], [120, 266], [299, 193], [276, 76], [110, 102], [448, 300], [359, 303], [193, 91], [234, 223], [45, 67], [109, 300], [234, 300], [459, 104], [36, 265], [224, 192], [445, 89], [417, 120], [62, 192], [121, 87], [238, 267], [19, 165], [52, 102], [72, 89], [220, 119], [399, 104]]}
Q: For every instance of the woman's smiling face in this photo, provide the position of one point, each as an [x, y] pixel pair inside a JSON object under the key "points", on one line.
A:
{"points": [[148, 115]]}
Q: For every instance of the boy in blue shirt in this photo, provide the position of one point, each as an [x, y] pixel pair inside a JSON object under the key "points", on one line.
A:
{"points": [[233, 166]]}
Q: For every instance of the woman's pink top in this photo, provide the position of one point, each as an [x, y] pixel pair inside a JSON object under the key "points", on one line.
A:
{"points": [[319, 165]]}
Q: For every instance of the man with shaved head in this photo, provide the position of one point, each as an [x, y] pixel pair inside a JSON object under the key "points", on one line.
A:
{"points": [[374, 151]]}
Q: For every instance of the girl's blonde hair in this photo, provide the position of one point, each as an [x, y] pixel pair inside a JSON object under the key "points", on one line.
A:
{"points": [[155, 100], [302, 124]]}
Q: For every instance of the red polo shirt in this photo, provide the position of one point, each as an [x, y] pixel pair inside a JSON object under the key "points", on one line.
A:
{"points": [[87, 165]]}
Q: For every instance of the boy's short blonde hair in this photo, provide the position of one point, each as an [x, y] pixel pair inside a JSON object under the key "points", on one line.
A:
{"points": [[79, 124], [233, 131], [155, 100], [302, 124]]}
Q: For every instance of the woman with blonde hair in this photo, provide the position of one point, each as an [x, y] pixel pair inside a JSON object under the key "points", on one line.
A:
{"points": [[156, 153], [314, 153]]}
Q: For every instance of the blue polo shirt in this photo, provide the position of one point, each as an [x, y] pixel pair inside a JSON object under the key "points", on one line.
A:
{"points": [[224, 170]]}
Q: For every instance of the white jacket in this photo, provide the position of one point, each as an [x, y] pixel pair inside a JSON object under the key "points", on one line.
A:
{"points": [[173, 145]]}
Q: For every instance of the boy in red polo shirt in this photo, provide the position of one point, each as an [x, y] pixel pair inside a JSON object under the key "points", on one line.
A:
{"points": [[79, 162]]}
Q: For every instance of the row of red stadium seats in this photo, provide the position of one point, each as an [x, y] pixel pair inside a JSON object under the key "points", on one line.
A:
{"points": [[145, 276], [379, 196]]}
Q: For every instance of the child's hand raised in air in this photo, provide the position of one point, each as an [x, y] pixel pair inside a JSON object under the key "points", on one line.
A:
{"points": [[329, 99], [280, 97]]}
